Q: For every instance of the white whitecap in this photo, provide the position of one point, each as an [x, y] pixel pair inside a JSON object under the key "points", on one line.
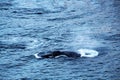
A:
{"points": [[36, 55], [88, 53]]}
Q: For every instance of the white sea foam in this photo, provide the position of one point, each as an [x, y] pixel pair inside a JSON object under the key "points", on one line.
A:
{"points": [[88, 52], [36, 55]]}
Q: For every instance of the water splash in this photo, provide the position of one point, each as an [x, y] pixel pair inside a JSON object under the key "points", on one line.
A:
{"points": [[88, 53]]}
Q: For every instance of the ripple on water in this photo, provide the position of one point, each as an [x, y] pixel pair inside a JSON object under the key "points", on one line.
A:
{"points": [[19, 43]]}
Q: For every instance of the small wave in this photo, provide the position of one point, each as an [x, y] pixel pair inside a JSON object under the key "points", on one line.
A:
{"points": [[29, 11], [65, 18], [19, 42], [88, 53], [115, 37], [4, 8], [4, 4], [12, 46], [34, 11]]}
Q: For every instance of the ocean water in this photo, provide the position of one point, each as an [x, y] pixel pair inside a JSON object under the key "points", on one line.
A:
{"points": [[31, 26]]}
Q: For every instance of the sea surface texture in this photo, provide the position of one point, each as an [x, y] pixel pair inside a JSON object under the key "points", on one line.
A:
{"points": [[40, 26]]}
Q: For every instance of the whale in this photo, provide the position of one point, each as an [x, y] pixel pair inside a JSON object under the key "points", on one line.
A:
{"points": [[77, 54], [56, 54]]}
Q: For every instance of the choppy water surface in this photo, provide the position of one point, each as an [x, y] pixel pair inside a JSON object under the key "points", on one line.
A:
{"points": [[27, 27]]}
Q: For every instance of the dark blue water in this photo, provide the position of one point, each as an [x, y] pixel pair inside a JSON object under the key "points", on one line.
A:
{"points": [[27, 27]]}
